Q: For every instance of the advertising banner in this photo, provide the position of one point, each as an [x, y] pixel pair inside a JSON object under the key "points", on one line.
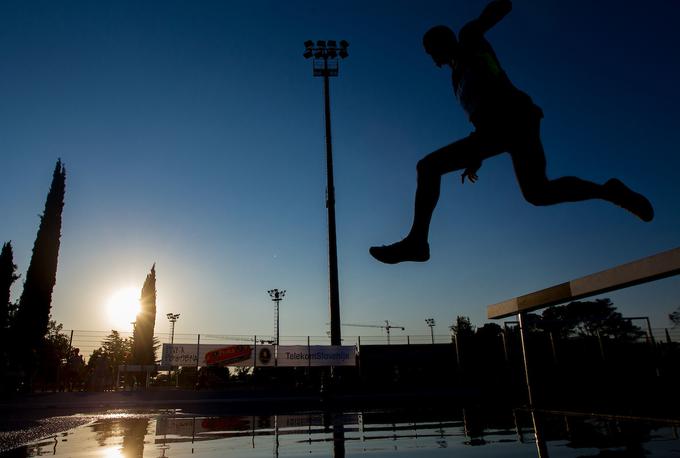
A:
{"points": [[216, 354], [316, 355], [267, 355]]}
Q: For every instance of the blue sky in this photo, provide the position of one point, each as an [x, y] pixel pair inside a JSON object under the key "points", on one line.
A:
{"points": [[192, 133]]}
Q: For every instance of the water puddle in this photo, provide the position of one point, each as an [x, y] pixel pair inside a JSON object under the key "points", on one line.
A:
{"points": [[391, 433]]}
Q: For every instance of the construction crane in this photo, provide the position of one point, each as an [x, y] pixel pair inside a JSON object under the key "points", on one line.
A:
{"points": [[387, 326]]}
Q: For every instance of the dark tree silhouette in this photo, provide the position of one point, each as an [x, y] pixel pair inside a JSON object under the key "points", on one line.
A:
{"points": [[54, 349], [7, 277], [462, 327], [489, 331], [675, 318], [143, 344], [33, 314], [115, 349], [587, 319]]}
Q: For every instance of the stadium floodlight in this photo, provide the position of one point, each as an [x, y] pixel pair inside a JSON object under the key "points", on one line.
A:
{"points": [[430, 322], [172, 317], [325, 54], [277, 296], [326, 65]]}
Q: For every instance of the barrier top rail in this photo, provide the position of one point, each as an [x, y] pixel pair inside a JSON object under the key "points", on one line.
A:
{"points": [[656, 267]]}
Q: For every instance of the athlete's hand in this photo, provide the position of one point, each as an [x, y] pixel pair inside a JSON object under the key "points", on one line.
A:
{"points": [[471, 174]]}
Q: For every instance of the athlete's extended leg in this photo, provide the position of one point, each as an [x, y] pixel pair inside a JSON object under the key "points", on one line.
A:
{"points": [[528, 160], [456, 156]]}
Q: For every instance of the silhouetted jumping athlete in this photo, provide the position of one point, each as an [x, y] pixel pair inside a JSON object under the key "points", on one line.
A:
{"points": [[505, 120]]}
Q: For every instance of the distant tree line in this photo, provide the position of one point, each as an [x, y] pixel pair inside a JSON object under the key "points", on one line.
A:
{"points": [[116, 351], [578, 319]]}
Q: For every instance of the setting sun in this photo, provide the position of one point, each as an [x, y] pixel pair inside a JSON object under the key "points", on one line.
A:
{"points": [[122, 308]]}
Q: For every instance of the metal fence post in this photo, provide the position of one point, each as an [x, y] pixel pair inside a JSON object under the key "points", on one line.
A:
{"points": [[459, 366], [198, 361], [521, 317], [505, 346], [358, 355], [552, 347], [651, 334], [599, 341]]}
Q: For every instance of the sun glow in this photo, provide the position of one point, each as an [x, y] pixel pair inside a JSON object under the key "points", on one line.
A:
{"points": [[122, 308], [113, 452]]}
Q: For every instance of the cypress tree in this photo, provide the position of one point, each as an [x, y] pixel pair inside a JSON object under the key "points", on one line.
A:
{"points": [[7, 277], [33, 314], [143, 345]]}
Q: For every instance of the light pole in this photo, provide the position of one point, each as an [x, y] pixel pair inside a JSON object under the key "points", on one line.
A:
{"points": [[277, 296], [172, 317], [430, 323], [325, 64]]}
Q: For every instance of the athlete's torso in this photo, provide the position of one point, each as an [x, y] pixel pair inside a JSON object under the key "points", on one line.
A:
{"points": [[479, 82]]}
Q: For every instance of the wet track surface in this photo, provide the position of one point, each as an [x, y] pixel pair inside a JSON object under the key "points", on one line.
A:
{"points": [[177, 423], [20, 429]]}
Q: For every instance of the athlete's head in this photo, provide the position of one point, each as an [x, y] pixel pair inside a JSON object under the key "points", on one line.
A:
{"points": [[441, 44]]}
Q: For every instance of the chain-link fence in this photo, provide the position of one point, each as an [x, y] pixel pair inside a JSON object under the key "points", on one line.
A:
{"points": [[88, 341]]}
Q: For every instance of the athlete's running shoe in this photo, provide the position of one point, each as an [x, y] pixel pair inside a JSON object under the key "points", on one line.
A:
{"points": [[624, 197], [405, 250]]}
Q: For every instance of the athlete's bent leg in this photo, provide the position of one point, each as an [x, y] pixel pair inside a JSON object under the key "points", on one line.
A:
{"points": [[529, 164], [456, 156]]}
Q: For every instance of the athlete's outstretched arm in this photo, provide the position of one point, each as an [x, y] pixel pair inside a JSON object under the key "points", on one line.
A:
{"points": [[492, 15]]}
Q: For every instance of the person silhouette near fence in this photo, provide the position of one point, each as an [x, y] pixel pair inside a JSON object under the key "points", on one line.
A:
{"points": [[505, 119]]}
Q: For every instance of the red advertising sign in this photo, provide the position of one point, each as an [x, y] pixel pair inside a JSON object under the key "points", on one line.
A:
{"points": [[228, 354]]}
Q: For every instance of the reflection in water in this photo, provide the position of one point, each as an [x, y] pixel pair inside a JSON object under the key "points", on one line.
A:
{"points": [[338, 437], [541, 447], [133, 437], [392, 433], [131, 428]]}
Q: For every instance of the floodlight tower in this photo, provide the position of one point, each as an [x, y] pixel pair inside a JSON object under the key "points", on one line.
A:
{"points": [[277, 296], [325, 64], [430, 322], [172, 317]]}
